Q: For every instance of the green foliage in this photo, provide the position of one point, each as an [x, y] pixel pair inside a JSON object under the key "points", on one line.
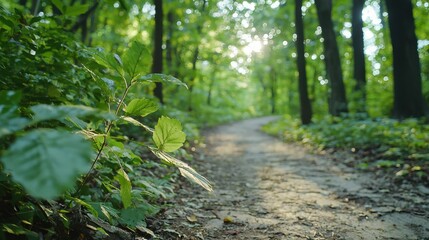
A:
{"points": [[168, 135], [65, 125], [391, 143], [141, 107], [47, 162], [125, 185]]}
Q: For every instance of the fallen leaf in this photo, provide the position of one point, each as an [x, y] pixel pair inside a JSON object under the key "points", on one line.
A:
{"points": [[192, 218], [228, 219]]}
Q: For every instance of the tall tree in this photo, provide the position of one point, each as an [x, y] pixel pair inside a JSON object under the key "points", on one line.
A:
{"points": [[408, 99], [157, 49], [337, 99], [358, 53], [305, 105]]}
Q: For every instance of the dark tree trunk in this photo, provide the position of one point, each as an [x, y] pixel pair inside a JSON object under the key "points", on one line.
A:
{"points": [[304, 101], [408, 99], [358, 53], [337, 99], [211, 86], [82, 20], [23, 2], [35, 5], [157, 50]]}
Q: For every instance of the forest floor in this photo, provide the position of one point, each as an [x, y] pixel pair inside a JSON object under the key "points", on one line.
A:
{"points": [[267, 189]]}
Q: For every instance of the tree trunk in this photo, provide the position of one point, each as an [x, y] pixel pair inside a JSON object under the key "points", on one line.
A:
{"points": [[337, 99], [407, 81], [304, 101], [358, 54], [157, 50]]}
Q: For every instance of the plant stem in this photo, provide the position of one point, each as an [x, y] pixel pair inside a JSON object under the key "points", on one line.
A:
{"points": [[109, 127]]}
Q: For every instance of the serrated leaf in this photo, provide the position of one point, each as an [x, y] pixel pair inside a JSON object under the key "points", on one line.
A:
{"points": [[125, 184], [136, 60], [141, 107], [46, 162], [162, 78], [185, 170], [108, 60], [168, 135], [44, 112]]}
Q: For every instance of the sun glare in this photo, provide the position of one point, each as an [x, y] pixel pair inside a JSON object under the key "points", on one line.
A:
{"points": [[255, 46]]}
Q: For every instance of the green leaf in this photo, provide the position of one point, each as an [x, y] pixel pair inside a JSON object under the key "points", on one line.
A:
{"points": [[47, 162], [134, 217], [162, 78], [106, 211], [109, 61], [125, 183], [141, 107], [44, 112], [9, 114], [185, 169], [13, 229], [59, 4], [88, 206], [168, 135], [136, 123], [136, 60], [76, 9]]}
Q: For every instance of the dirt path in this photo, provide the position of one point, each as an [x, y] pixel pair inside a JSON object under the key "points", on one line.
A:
{"points": [[266, 189]]}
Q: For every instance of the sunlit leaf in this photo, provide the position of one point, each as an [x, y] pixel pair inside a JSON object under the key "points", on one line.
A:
{"points": [[125, 184], [141, 107], [168, 135], [47, 162], [184, 169], [136, 60], [162, 78]]}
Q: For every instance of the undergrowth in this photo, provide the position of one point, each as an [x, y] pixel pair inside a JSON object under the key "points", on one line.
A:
{"points": [[399, 147], [83, 149]]}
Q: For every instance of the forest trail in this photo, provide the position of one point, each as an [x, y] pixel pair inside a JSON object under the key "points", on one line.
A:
{"points": [[267, 189]]}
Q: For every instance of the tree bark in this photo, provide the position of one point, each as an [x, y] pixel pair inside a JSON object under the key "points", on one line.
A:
{"points": [[305, 105], [157, 50], [359, 70], [337, 99], [407, 81]]}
